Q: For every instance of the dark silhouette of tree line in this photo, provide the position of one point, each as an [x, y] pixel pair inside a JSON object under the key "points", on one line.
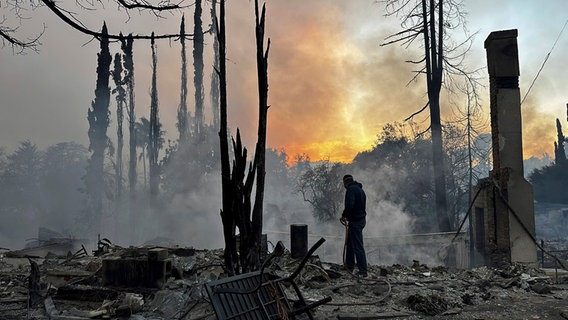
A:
{"points": [[549, 182], [43, 187]]}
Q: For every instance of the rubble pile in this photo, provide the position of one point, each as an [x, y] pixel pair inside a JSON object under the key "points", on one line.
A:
{"points": [[73, 286]]}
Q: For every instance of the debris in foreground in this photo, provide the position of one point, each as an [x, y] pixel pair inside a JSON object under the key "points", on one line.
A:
{"points": [[72, 287]]}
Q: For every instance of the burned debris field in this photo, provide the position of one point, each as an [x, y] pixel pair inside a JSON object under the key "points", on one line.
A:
{"points": [[119, 283]]}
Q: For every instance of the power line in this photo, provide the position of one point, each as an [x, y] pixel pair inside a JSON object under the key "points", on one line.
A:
{"points": [[545, 60]]}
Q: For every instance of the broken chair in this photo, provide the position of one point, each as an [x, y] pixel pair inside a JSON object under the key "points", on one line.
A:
{"points": [[260, 294]]}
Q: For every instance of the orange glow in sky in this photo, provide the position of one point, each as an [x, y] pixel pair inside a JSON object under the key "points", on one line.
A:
{"points": [[332, 87], [331, 91]]}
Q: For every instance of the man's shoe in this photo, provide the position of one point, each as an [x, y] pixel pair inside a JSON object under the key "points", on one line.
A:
{"points": [[362, 275]]}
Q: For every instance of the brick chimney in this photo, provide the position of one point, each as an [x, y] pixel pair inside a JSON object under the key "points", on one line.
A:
{"points": [[504, 213]]}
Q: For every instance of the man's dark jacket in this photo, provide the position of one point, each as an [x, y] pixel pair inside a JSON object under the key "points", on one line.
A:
{"points": [[355, 202]]}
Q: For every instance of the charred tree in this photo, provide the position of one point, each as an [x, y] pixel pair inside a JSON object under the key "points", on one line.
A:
{"points": [[120, 101], [227, 215], [241, 184], [154, 134], [428, 19], [127, 46], [182, 118], [98, 117], [214, 79], [198, 69], [559, 151], [260, 153], [433, 50], [237, 184], [235, 191]]}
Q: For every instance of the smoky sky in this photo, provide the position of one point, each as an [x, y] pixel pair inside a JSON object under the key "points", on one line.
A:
{"points": [[332, 86]]}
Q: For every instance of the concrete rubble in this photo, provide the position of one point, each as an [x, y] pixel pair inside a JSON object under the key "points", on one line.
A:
{"points": [[74, 286]]}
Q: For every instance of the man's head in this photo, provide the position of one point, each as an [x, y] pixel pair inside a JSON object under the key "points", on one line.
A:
{"points": [[347, 179]]}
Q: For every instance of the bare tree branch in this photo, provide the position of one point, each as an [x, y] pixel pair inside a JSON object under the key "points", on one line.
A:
{"points": [[19, 46], [417, 112], [162, 6], [60, 13], [423, 132], [18, 9], [452, 61]]}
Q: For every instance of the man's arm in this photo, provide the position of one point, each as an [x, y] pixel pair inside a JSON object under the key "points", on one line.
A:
{"points": [[349, 203]]}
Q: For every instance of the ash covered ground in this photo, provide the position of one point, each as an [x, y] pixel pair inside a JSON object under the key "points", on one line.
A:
{"points": [[71, 287]]}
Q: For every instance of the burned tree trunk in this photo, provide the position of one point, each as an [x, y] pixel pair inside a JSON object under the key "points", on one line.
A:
{"points": [[227, 215], [238, 184], [434, 58], [120, 99], [182, 124], [154, 134], [198, 69], [260, 153], [214, 79], [429, 20], [126, 46], [98, 117], [559, 151], [241, 203]]}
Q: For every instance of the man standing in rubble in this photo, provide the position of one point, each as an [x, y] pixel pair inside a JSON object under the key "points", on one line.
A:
{"points": [[354, 216]]}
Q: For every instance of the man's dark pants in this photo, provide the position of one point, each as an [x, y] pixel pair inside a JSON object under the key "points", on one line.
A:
{"points": [[355, 249]]}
